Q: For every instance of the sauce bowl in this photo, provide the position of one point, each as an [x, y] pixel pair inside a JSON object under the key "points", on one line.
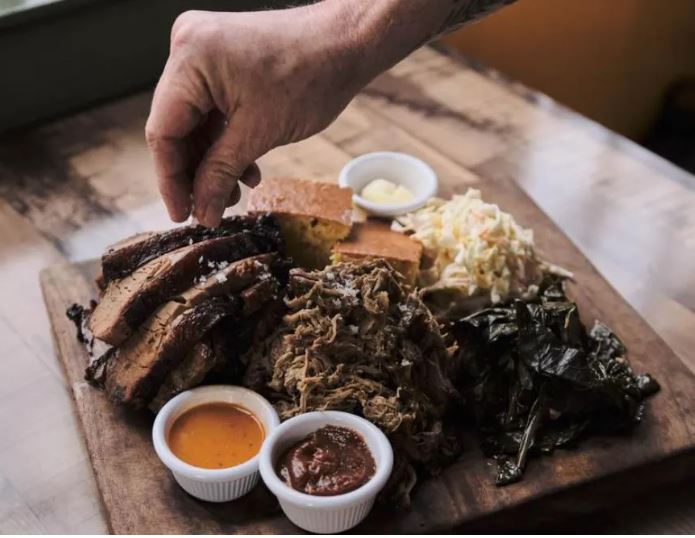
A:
{"points": [[334, 513], [213, 485]]}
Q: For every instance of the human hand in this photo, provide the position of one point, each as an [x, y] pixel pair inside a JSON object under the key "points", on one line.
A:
{"points": [[235, 86]]}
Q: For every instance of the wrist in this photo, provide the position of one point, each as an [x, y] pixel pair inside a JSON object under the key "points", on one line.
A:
{"points": [[342, 34], [371, 36]]}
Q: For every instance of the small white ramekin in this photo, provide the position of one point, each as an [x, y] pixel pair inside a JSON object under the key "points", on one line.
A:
{"points": [[399, 168], [336, 513], [213, 485]]}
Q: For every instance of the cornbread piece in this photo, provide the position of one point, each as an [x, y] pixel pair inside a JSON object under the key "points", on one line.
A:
{"points": [[126, 303], [124, 257], [312, 215], [375, 239]]}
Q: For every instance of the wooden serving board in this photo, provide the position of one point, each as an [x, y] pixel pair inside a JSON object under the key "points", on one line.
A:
{"points": [[140, 496]]}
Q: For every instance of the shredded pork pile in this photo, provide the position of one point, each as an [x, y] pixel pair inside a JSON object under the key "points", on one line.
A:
{"points": [[355, 340]]}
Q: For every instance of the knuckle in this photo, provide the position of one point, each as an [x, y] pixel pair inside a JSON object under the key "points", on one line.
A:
{"points": [[184, 28], [152, 136], [220, 174]]}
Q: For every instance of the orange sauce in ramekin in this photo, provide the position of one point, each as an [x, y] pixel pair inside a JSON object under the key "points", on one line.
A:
{"points": [[216, 435]]}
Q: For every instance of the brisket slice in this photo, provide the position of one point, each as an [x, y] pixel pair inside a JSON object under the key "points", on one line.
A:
{"points": [[126, 303], [127, 362], [190, 372], [232, 339], [124, 257], [137, 369], [79, 315], [95, 373], [229, 280], [222, 346], [255, 297]]}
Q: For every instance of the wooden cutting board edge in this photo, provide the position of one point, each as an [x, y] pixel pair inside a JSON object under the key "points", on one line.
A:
{"points": [[44, 279]]}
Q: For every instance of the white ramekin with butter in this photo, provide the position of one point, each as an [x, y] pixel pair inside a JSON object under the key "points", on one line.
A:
{"points": [[388, 183]]}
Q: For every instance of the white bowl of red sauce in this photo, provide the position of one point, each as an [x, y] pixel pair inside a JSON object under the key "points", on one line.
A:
{"points": [[210, 439], [326, 469]]}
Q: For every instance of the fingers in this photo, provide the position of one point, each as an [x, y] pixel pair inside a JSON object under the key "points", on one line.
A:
{"points": [[234, 197], [217, 177], [173, 182], [172, 117], [251, 176]]}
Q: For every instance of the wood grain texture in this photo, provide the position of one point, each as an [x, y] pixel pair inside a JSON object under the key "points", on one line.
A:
{"points": [[70, 187]]}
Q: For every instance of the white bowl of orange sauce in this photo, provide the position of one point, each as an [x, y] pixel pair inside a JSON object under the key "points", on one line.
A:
{"points": [[210, 439]]}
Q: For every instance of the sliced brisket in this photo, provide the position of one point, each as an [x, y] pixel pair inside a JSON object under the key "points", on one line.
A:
{"points": [[137, 369], [97, 351], [222, 347], [124, 257], [190, 372], [231, 340], [178, 308], [255, 297], [126, 303]]}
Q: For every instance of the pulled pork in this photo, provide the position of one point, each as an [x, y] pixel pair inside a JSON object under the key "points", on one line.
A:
{"points": [[354, 339]]}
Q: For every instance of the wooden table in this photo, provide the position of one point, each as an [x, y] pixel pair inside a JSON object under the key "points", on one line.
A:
{"points": [[69, 188]]}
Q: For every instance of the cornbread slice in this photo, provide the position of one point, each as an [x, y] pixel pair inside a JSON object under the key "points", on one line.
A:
{"points": [[312, 216], [375, 239]]}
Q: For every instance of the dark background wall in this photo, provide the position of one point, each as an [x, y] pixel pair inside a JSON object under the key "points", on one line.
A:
{"points": [[63, 55]]}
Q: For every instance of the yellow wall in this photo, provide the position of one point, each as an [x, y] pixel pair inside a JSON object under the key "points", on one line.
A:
{"points": [[612, 60]]}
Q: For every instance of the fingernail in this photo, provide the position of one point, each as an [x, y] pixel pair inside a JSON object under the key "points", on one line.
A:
{"points": [[178, 213], [213, 212]]}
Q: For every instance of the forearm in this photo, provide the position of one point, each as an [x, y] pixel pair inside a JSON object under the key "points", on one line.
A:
{"points": [[383, 32]]}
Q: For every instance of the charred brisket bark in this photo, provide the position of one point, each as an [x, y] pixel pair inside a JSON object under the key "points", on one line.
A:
{"points": [[124, 257], [177, 305], [126, 303], [98, 351]]}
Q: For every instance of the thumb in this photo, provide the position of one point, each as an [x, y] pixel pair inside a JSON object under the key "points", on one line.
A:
{"points": [[218, 174]]}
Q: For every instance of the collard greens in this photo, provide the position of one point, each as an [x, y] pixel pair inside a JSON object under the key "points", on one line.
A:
{"points": [[536, 379]]}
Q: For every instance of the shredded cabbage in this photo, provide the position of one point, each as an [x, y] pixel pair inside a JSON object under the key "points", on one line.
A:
{"points": [[476, 248]]}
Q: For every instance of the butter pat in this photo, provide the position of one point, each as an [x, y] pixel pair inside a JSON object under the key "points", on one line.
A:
{"points": [[383, 191]]}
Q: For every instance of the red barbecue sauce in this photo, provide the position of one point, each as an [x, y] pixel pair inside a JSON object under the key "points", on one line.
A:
{"points": [[331, 461]]}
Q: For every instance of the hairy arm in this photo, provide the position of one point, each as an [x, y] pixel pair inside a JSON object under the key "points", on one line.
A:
{"points": [[388, 30]]}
